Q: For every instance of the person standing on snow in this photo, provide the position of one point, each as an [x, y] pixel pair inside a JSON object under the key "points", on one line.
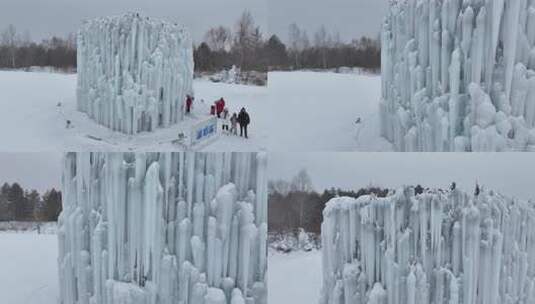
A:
{"points": [[234, 124], [243, 120], [189, 103], [225, 119], [220, 106]]}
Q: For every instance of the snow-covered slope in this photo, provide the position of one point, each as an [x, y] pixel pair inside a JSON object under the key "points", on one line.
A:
{"points": [[31, 119], [459, 75], [436, 247], [133, 72], [163, 228]]}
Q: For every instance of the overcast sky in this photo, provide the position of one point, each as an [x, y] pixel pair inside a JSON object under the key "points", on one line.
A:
{"points": [[351, 18], [512, 174], [40, 171], [60, 17]]}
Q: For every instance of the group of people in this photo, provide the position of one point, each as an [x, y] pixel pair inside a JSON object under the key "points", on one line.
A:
{"points": [[229, 123]]}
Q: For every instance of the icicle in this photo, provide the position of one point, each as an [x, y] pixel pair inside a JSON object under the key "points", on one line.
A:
{"points": [[133, 72], [128, 232], [449, 248]]}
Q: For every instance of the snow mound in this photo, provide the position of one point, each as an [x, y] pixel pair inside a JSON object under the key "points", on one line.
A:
{"points": [[435, 247], [176, 227], [450, 67], [133, 72]]}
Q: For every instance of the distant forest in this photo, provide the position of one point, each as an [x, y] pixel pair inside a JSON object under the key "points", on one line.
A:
{"points": [[221, 48], [294, 204], [18, 204]]}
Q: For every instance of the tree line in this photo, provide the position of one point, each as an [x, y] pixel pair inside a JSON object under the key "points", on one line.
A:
{"points": [[294, 204], [247, 49], [221, 48], [17, 50], [18, 204]]}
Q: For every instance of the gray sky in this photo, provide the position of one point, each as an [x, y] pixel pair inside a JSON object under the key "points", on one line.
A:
{"points": [[512, 174], [40, 171], [351, 18], [60, 17]]}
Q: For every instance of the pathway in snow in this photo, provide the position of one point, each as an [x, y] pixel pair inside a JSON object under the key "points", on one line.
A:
{"points": [[294, 278], [317, 112], [28, 264], [31, 119]]}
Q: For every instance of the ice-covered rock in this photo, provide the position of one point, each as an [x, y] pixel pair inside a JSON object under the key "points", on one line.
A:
{"points": [[163, 228], [450, 65], [134, 72], [435, 247]]}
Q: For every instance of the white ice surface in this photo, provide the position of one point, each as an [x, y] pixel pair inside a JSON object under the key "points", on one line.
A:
{"points": [[316, 111], [295, 277], [28, 268], [30, 119]]}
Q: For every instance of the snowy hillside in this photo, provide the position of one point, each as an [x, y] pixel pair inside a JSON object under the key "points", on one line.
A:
{"points": [[33, 121], [459, 75], [176, 227], [436, 247]]}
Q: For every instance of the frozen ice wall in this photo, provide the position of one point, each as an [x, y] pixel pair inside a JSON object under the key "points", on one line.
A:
{"points": [[133, 72], [459, 75], [163, 228], [435, 247]]}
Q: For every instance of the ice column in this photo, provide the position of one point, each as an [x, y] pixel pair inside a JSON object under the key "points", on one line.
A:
{"points": [[133, 72], [435, 247], [459, 75], [163, 228]]}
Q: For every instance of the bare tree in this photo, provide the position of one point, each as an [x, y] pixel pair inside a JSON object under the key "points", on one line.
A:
{"points": [[26, 38], [279, 186], [9, 39], [302, 182], [294, 35], [322, 41], [218, 38], [305, 42], [247, 39]]}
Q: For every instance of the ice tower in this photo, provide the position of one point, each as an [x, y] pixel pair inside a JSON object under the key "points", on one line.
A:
{"points": [[435, 247], [459, 75], [163, 228], [133, 72]]}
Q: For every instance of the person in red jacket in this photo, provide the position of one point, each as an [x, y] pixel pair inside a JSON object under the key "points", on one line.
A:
{"points": [[220, 106], [189, 103]]}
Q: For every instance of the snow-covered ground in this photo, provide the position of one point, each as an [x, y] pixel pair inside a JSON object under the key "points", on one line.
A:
{"points": [[28, 268], [317, 111], [31, 119], [294, 277], [298, 111]]}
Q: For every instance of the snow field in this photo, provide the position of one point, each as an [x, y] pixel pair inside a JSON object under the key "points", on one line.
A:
{"points": [[294, 277], [28, 267], [317, 112]]}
